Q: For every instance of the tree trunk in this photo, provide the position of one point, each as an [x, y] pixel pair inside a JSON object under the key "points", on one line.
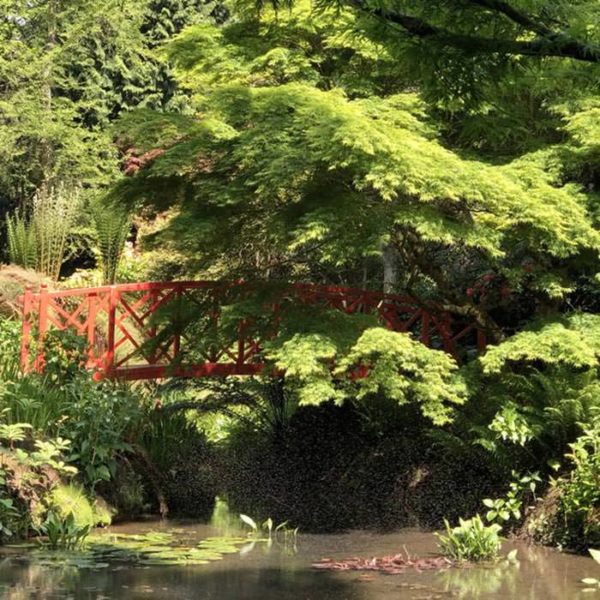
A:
{"points": [[389, 257]]}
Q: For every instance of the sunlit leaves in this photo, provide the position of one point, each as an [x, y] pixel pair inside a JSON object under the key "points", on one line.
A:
{"points": [[302, 159], [573, 342], [405, 370], [379, 361]]}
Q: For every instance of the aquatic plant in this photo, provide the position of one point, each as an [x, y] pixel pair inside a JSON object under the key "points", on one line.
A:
{"points": [[160, 548], [510, 507], [268, 528], [64, 532], [117, 550], [471, 540]]}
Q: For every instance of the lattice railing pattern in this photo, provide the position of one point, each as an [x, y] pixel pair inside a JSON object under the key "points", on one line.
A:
{"points": [[160, 329]]}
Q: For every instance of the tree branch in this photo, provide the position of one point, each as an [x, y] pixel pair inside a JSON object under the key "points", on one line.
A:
{"points": [[414, 255], [514, 15], [549, 44]]}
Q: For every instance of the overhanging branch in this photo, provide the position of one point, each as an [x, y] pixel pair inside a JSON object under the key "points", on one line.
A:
{"points": [[514, 15], [548, 44]]}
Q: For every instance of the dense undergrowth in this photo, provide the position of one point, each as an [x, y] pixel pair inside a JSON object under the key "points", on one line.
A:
{"points": [[115, 452]]}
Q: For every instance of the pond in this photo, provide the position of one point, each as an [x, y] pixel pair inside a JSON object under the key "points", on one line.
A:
{"points": [[241, 570]]}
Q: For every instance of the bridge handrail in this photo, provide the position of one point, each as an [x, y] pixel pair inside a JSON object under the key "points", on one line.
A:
{"points": [[126, 325], [207, 284]]}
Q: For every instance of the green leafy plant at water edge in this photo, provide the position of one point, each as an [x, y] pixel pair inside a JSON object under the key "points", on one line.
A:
{"points": [[504, 509], [98, 420], [471, 540], [580, 490], [30, 470], [71, 500], [64, 532], [268, 528], [9, 515]]}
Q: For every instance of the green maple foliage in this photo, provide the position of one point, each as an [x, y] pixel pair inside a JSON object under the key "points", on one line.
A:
{"points": [[305, 160], [283, 158]]}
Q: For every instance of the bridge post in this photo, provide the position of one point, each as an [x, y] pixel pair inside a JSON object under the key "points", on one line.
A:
{"points": [[177, 337], [154, 302], [425, 327], [42, 326], [113, 300], [26, 329], [91, 327], [481, 340]]}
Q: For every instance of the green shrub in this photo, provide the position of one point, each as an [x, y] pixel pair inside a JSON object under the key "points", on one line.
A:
{"points": [[10, 517], [21, 241], [471, 540], [183, 463], [111, 224], [510, 506], [569, 513], [99, 419], [28, 477], [581, 489], [10, 336]]}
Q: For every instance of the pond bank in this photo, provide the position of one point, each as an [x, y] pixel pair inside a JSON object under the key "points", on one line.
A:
{"points": [[283, 571]]}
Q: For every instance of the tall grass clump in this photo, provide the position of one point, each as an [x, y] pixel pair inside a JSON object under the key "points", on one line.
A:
{"points": [[37, 235], [112, 224]]}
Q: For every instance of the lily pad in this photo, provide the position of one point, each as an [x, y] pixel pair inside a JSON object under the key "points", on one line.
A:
{"points": [[155, 548]]}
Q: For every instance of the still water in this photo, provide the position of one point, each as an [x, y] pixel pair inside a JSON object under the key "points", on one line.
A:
{"points": [[283, 571]]}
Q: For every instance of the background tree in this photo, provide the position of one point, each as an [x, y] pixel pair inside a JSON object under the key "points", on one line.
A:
{"points": [[67, 70]]}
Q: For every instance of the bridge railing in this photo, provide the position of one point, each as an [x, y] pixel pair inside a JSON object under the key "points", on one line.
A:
{"points": [[159, 329]]}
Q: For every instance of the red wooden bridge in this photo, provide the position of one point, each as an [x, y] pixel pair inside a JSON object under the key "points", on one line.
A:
{"points": [[130, 330]]}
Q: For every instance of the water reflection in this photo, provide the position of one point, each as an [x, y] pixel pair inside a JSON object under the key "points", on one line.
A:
{"points": [[176, 583], [470, 582]]}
